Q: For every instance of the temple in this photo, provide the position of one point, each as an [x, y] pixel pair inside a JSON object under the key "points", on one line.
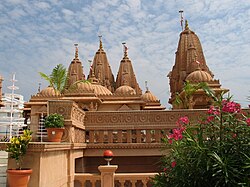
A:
{"points": [[102, 113], [190, 65]]}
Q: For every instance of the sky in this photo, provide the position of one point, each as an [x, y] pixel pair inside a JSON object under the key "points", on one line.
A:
{"points": [[37, 35]]}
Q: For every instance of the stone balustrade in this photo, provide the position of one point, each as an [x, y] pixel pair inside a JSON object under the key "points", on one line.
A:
{"points": [[133, 126], [120, 179], [87, 179], [133, 179]]}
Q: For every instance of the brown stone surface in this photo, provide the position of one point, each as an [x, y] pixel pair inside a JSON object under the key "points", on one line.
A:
{"points": [[190, 65]]}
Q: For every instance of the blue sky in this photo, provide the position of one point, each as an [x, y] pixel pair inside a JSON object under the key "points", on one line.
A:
{"points": [[37, 35]]}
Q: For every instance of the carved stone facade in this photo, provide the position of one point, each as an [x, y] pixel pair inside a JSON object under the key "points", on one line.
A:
{"points": [[190, 65]]}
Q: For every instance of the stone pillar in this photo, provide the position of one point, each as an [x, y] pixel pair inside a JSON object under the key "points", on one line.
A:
{"points": [[108, 175]]}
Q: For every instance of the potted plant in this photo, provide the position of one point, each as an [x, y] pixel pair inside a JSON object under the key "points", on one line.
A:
{"points": [[54, 123], [17, 148]]}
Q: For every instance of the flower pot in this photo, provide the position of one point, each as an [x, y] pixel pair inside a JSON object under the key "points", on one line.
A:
{"points": [[18, 178], [55, 134]]}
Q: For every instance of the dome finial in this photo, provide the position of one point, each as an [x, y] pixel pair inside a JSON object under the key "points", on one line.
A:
{"points": [[186, 25], [100, 39], [76, 53], [146, 85], [181, 13], [125, 48], [39, 87]]}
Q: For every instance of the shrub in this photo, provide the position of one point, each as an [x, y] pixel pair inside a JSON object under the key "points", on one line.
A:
{"points": [[212, 152], [54, 121]]}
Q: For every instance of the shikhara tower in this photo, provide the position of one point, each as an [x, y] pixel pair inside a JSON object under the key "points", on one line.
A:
{"points": [[190, 65]]}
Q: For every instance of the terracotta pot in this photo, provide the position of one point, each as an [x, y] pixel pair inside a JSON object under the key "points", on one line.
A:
{"points": [[55, 134], [18, 178]]}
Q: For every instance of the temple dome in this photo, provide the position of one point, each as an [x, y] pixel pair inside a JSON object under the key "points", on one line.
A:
{"points": [[48, 92], [84, 87], [125, 90], [101, 90], [149, 97], [199, 76]]}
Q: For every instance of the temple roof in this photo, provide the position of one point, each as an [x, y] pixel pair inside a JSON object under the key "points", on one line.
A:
{"points": [[199, 76], [75, 70], [125, 90], [149, 97], [47, 92], [102, 69], [126, 75]]}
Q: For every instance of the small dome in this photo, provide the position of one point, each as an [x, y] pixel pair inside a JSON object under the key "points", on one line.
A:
{"points": [[101, 90], [49, 91], [199, 76], [79, 88], [125, 90], [149, 97]]}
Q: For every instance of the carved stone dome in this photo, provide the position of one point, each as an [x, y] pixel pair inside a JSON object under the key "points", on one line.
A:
{"points": [[48, 92], [125, 90], [84, 87], [199, 76], [149, 97], [101, 90]]}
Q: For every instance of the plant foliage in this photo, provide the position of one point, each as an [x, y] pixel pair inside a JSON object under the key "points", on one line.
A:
{"points": [[212, 152], [18, 146], [57, 79], [54, 121]]}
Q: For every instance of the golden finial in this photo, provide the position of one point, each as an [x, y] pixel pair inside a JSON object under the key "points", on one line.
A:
{"points": [[76, 53], [100, 39], [186, 25]]}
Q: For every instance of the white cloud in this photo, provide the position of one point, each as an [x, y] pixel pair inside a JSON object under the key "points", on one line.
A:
{"points": [[38, 35]]}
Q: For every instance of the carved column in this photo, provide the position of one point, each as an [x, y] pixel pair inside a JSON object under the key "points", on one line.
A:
{"points": [[107, 175]]}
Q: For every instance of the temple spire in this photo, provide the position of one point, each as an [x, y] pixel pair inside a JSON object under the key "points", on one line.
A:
{"points": [[76, 52]]}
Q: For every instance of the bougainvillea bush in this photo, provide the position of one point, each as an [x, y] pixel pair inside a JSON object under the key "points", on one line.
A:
{"points": [[212, 152]]}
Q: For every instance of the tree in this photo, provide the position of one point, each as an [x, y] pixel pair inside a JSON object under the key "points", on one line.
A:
{"points": [[57, 79]]}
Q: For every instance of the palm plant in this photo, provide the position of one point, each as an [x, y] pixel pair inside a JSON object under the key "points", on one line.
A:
{"points": [[57, 79], [186, 96]]}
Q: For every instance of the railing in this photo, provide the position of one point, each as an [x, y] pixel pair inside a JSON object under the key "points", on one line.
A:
{"points": [[130, 127], [121, 179], [126, 136], [133, 179], [87, 180]]}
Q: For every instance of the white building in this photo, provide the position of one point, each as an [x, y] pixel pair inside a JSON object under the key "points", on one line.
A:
{"points": [[11, 113]]}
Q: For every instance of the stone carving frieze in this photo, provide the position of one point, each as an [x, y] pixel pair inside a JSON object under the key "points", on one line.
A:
{"points": [[142, 118]]}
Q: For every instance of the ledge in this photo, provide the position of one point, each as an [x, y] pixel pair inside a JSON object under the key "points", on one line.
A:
{"points": [[49, 146]]}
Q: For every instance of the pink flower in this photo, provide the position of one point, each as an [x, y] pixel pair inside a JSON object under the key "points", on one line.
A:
{"points": [[173, 164], [234, 135], [177, 134], [213, 111], [248, 121], [230, 106], [170, 141], [210, 118], [183, 120], [165, 169]]}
